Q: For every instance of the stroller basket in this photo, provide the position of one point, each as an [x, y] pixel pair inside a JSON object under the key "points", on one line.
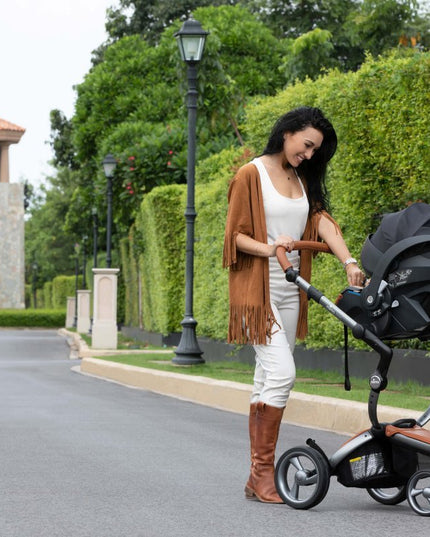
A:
{"points": [[377, 464]]}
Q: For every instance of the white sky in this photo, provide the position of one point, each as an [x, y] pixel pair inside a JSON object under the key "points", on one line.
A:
{"points": [[45, 49]]}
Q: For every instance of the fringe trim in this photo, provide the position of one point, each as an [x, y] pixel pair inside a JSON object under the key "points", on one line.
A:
{"points": [[233, 258], [230, 251], [250, 325]]}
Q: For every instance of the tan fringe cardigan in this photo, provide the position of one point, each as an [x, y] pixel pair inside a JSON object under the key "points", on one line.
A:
{"points": [[251, 316]]}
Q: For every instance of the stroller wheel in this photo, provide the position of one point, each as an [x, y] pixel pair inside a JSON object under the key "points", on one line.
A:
{"points": [[418, 491], [302, 477], [388, 496]]}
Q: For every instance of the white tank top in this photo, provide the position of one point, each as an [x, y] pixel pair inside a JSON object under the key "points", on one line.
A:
{"points": [[284, 216]]}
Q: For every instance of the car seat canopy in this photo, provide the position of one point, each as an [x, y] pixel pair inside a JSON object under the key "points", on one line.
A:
{"points": [[394, 227]]}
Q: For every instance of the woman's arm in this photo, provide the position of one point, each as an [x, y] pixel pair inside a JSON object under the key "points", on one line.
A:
{"points": [[328, 232], [248, 245]]}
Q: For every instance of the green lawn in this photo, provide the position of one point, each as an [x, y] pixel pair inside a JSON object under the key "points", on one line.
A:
{"points": [[410, 395]]}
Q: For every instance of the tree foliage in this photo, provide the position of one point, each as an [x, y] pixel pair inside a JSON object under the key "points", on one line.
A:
{"points": [[149, 18], [61, 141], [47, 242], [132, 104]]}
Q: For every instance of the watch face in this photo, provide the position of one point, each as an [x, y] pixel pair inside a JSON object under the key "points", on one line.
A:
{"points": [[349, 261]]}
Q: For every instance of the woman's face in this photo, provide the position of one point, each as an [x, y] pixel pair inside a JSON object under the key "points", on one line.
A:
{"points": [[301, 145]]}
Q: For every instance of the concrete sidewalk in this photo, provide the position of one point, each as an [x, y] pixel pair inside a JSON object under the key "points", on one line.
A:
{"points": [[328, 413]]}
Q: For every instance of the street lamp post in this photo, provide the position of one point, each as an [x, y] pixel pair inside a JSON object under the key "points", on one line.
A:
{"points": [[191, 41], [109, 165], [84, 261], [95, 245], [75, 318], [95, 235], [34, 267]]}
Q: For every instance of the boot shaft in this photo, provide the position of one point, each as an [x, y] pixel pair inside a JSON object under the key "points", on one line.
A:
{"points": [[268, 422]]}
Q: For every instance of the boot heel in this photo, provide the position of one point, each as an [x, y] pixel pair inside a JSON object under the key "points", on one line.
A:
{"points": [[250, 494]]}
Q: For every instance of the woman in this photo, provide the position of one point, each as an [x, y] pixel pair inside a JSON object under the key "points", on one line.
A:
{"points": [[276, 199]]}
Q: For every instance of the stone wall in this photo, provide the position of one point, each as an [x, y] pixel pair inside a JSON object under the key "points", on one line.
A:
{"points": [[12, 267]]}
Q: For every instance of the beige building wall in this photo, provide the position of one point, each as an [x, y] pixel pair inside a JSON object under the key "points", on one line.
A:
{"points": [[12, 263]]}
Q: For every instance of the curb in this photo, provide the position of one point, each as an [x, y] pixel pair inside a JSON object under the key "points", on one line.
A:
{"points": [[314, 411]]}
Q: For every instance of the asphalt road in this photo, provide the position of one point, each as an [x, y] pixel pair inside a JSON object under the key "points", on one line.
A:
{"points": [[82, 457]]}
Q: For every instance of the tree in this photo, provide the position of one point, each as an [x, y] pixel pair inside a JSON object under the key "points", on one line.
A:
{"points": [[149, 18], [61, 140], [379, 24], [46, 239], [356, 26], [310, 54]]}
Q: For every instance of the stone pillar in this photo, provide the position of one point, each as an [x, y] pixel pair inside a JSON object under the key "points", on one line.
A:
{"points": [[105, 330], [4, 162], [70, 311], [9, 134], [84, 322], [12, 268]]}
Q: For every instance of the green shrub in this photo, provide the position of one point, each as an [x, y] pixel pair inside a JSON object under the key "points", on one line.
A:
{"points": [[62, 287], [129, 276], [47, 295], [161, 229], [34, 318]]}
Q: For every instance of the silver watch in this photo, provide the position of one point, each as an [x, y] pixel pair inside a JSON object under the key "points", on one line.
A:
{"points": [[349, 261]]}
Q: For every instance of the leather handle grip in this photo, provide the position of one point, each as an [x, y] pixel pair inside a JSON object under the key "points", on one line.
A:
{"points": [[300, 245]]}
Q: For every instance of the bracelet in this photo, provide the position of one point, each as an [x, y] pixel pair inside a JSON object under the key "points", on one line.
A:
{"points": [[349, 261]]}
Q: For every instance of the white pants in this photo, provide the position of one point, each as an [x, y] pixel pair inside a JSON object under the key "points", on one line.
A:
{"points": [[275, 370]]}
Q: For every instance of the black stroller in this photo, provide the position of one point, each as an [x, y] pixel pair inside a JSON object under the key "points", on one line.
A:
{"points": [[391, 461]]}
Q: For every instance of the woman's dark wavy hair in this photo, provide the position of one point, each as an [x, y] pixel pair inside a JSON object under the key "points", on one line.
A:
{"points": [[313, 170]]}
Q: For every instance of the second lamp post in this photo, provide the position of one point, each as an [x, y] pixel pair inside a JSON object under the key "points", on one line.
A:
{"points": [[109, 165]]}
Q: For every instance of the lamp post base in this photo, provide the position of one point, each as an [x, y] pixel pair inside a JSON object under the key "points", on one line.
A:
{"points": [[188, 351]]}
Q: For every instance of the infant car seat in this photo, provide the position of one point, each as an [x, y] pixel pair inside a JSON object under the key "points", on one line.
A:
{"points": [[396, 303]]}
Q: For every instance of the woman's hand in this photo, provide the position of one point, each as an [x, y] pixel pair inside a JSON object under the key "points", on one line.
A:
{"points": [[283, 240], [251, 246], [354, 274]]}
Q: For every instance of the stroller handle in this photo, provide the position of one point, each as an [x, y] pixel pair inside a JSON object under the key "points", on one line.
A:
{"points": [[300, 245], [378, 381]]}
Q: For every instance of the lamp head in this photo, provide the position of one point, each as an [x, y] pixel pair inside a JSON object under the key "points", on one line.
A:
{"points": [[191, 40], [109, 165]]}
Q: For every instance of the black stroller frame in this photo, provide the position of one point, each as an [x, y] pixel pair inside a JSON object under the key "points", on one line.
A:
{"points": [[390, 460]]}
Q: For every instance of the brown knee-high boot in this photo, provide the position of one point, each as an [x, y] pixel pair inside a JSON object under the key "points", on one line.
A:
{"points": [[249, 487], [268, 420]]}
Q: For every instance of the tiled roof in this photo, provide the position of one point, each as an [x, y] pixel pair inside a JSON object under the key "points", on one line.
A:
{"points": [[7, 126]]}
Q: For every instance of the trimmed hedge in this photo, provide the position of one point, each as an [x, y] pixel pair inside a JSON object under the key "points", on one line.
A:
{"points": [[381, 116], [62, 287], [161, 229], [47, 295], [33, 318], [130, 278]]}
